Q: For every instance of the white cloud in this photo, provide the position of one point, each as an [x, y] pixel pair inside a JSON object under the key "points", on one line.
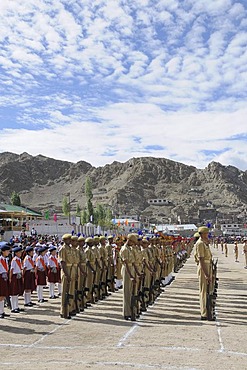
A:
{"points": [[108, 71]]}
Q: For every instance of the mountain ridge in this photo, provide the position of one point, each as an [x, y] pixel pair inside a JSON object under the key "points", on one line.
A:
{"points": [[128, 187]]}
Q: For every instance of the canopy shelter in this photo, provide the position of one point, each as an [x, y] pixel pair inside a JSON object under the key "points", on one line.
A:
{"points": [[16, 218]]}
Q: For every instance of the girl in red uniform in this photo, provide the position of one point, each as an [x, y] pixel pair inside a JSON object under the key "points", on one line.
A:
{"points": [[53, 271], [4, 278], [29, 276], [16, 279], [41, 274]]}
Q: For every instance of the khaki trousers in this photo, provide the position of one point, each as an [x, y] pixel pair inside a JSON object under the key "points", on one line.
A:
{"points": [[127, 290], [203, 289]]}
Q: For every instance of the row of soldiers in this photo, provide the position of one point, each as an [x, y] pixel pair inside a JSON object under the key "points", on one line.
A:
{"points": [[88, 270], [91, 266]]}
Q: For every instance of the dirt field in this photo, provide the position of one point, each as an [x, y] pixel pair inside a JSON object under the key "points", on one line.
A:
{"points": [[169, 336]]}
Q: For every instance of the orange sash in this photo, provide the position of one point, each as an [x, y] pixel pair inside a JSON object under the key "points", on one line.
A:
{"points": [[43, 263], [55, 261], [4, 263], [30, 260], [18, 263]]}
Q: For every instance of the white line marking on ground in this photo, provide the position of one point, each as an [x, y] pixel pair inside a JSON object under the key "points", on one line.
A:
{"points": [[172, 348], [62, 348], [51, 347], [218, 326], [236, 353], [50, 332], [127, 335], [115, 363]]}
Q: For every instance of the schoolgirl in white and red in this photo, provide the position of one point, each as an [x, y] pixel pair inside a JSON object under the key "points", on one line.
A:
{"points": [[53, 271], [41, 272], [16, 279], [29, 276], [4, 277]]}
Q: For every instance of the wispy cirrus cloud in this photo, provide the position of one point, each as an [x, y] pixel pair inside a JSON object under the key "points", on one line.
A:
{"points": [[116, 79]]}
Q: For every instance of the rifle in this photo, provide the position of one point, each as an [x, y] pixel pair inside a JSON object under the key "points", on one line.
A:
{"points": [[214, 273], [67, 297], [211, 295], [93, 287], [101, 282], [156, 284], [160, 277], [151, 291], [141, 293], [111, 280], [209, 305], [133, 302], [76, 297], [83, 293]]}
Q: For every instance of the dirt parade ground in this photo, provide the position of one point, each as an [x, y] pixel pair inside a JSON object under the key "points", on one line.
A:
{"points": [[169, 335]]}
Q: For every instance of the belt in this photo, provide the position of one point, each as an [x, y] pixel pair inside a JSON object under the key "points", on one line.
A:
{"points": [[70, 264]]}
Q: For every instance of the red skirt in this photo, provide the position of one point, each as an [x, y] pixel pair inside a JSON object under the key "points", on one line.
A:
{"points": [[16, 286], [52, 277], [41, 277], [4, 287], [29, 280]]}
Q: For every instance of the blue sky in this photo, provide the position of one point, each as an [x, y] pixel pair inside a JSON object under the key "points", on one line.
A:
{"points": [[105, 80]]}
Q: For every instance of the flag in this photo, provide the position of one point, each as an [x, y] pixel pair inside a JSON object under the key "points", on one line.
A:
{"points": [[119, 223], [126, 222], [47, 215], [55, 217]]}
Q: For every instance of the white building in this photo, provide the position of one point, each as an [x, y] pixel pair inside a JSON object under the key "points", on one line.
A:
{"points": [[234, 229], [184, 230]]}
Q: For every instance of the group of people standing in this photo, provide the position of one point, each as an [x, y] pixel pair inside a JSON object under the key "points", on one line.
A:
{"points": [[22, 271], [86, 270], [94, 267], [236, 249]]}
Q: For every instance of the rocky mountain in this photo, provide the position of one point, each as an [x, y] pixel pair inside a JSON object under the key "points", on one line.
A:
{"points": [[156, 189]]}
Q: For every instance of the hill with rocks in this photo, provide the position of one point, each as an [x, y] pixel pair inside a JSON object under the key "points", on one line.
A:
{"points": [[157, 189]]}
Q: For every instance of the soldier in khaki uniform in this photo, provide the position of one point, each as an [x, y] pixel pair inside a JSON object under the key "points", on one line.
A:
{"points": [[138, 267], [245, 252], [118, 263], [128, 273], [91, 270], [66, 259], [204, 268], [98, 268], [196, 238], [74, 274], [103, 262], [236, 251], [147, 270], [82, 269], [110, 264]]}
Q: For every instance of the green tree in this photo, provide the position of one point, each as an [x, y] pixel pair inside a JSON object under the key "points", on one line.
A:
{"points": [[90, 210], [78, 210], [88, 189], [89, 196], [103, 216], [66, 207], [15, 199], [84, 217], [100, 215], [108, 218]]}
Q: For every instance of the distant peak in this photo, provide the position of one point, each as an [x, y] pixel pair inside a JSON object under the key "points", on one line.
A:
{"points": [[25, 155]]}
